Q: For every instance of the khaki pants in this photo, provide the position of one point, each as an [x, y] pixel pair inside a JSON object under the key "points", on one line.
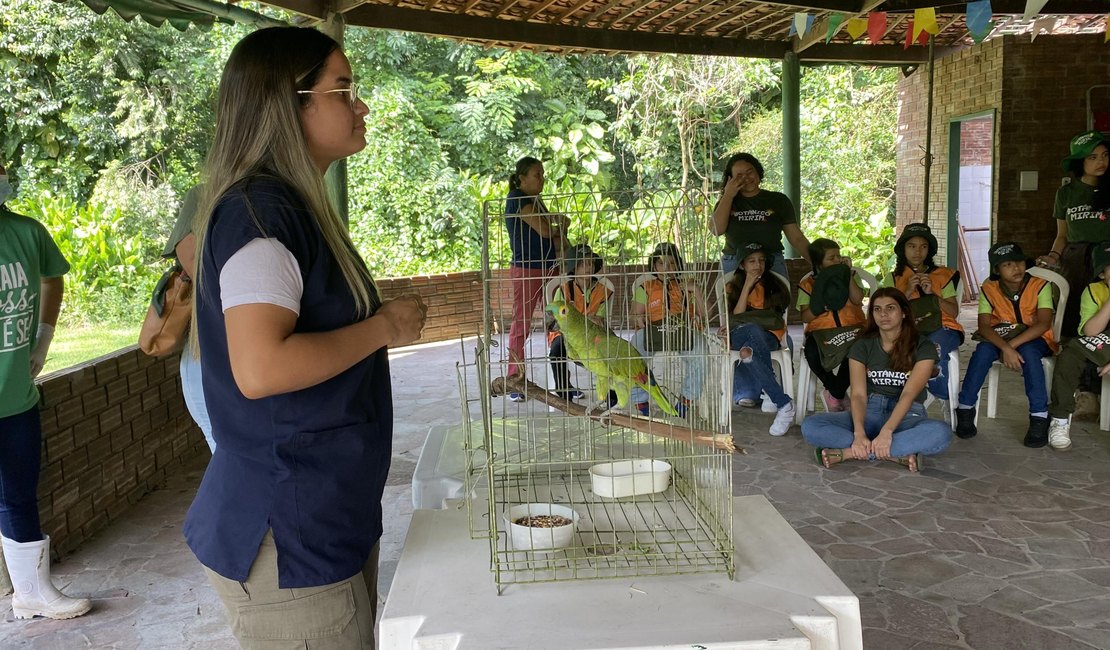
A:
{"points": [[338, 616]]}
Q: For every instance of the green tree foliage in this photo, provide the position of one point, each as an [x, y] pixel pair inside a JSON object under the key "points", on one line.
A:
{"points": [[105, 124]]}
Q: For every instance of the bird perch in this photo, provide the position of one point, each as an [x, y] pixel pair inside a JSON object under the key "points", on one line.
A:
{"points": [[502, 385]]}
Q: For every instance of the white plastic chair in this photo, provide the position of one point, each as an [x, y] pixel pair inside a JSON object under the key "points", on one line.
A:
{"points": [[806, 401], [953, 374], [559, 281], [783, 357], [1048, 362]]}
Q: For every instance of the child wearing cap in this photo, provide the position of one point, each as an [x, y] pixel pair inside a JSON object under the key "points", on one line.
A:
{"points": [[1015, 327], [1090, 348], [757, 303], [669, 314], [589, 296], [830, 300], [1081, 210], [931, 290]]}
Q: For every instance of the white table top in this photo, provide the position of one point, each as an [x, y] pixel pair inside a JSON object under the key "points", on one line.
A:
{"points": [[783, 596]]}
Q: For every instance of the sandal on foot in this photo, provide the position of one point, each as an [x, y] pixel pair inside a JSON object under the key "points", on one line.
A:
{"points": [[913, 462], [828, 457]]}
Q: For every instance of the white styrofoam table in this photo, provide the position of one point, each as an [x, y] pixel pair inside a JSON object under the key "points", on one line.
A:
{"points": [[443, 597]]}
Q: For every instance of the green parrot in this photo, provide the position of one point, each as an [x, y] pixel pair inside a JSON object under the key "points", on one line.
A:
{"points": [[614, 360]]}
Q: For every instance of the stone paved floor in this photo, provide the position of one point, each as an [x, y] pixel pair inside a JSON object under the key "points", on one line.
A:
{"points": [[993, 546]]}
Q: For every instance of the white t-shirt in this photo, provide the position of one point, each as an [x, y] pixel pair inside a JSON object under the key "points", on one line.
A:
{"points": [[262, 272]]}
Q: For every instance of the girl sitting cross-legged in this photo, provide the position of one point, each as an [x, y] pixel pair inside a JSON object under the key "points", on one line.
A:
{"points": [[887, 421]]}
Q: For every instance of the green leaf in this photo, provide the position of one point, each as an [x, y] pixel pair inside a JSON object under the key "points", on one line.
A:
{"points": [[595, 130]]}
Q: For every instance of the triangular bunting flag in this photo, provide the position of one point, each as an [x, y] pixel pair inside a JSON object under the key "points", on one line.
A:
{"points": [[909, 36], [978, 36], [924, 20], [979, 17], [856, 27], [802, 21], [835, 21], [1032, 8], [876, 26], [922, 36], [1047, 23]]}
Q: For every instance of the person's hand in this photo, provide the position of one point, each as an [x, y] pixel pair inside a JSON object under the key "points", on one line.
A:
{"points": [[732, 187], [880, 446], [861, 447], [847, 261], [1049, 260], [1103, 371], [1011, 359], [406, 316], [751, 277], [926, 283], [914, 282], [42, 344]]}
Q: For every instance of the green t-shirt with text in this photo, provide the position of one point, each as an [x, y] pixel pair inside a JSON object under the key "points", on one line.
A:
{"points": [[1075, 204], [881, 380], [27, 254], [759, 218]]}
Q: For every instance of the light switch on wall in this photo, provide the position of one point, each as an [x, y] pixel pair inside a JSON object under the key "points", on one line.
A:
{"points": [[1028, 182]]}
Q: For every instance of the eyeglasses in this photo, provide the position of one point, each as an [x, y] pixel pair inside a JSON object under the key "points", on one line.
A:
{"points": [[352, 93]]}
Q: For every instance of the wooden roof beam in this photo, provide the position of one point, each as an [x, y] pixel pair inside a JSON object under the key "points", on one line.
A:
{"points": [[598, 12], [1054, 7], [573, 10], [728, 19], [505, 6], [777, 19], [728, 6], [565, 37], [871, 54], [540, 8], [680, 16], [630, 11], [660, 11]]}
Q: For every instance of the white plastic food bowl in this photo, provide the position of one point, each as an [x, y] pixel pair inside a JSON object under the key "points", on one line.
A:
{"points": [[527, 538], [627, 478]]}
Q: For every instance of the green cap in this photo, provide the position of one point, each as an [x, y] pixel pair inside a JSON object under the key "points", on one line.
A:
{"points": [[1081, 146]]}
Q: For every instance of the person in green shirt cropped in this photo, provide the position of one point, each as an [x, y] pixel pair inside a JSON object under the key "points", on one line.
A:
{"points": [[1089, 350], [31, 270], [1081, 209], [747, 213]]}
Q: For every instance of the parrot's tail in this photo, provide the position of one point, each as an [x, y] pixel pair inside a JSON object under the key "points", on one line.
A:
{"points": [[660, 399]]}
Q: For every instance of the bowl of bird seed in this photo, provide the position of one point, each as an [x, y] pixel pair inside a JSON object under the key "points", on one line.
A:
{"points": [[541, 526]]}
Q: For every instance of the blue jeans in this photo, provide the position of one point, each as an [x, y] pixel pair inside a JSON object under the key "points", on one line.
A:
{"points": [[915, 434], [757, 374], [192, 388], [693, 367], [775, 261], [20, 459], [1032, 372], [947, 340]]}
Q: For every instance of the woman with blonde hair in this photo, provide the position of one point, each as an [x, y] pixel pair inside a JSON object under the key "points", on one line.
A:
{"points": [[293, 340]]}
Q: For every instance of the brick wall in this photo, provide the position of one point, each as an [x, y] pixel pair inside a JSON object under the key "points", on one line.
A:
{"points": [[1038, 90], [113, 430], [967, 82], [976, 142]]}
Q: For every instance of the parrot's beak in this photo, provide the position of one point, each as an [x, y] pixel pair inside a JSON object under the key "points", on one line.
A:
{"points": [[551, 309]]}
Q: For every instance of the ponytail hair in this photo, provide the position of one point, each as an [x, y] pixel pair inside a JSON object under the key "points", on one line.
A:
{"points": [[522, 167]]}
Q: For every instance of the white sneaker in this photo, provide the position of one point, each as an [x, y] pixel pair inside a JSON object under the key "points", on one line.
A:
{"points": [[783, 420], [945, 411], [768, 406], [1059, 433]]}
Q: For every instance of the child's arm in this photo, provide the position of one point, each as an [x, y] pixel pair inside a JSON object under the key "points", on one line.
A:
{"points": [[855, 292], [920, 374]]}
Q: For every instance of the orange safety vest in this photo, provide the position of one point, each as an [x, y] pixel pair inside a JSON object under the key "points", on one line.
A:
{"points": [[578, 299], [941, 276], [1002, 307], [757, 300], [849, 314], [660, 305]]}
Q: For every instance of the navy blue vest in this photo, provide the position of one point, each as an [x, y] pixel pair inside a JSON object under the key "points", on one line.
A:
{"points": [[310, 464], [529, 249]]}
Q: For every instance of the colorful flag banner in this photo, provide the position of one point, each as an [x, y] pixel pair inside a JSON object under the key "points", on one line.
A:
{"points": [[835, 21], [922, 36], [856, 27], [801, 24], [1047, 23], [1032, 8], [924, 20], [979, 18], [986, 31], [876, 26]]}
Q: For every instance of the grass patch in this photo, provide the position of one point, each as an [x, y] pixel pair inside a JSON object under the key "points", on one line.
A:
{"points": [[75, 344]]}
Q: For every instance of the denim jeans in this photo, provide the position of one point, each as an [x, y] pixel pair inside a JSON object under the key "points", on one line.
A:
{"points": [[948, 340], [20, 459], [914, 434], [775, 261], [757, 374], [192, 388], [1032, 372], [693, 367]]}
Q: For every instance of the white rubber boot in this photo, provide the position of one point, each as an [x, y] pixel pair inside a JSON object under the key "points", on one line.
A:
{"points": [[29, 566]]}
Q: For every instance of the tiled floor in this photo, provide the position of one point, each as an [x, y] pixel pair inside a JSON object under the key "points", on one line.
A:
{"points": [[993, 546]]}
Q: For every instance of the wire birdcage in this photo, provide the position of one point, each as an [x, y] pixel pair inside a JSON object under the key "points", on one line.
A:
{"points": [[599, 475]]}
